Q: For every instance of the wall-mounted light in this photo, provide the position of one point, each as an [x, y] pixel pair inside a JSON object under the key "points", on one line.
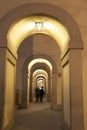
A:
{"points": [[39, 26]]}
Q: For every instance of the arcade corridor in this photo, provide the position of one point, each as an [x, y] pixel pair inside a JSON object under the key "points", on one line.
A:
{"points": [[39, 116], [38, 48]]}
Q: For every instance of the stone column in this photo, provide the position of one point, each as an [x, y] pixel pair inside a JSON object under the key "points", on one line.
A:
{"points": [[72, 90], [54, 90], [85, 85], [76, 90], [2, 83], [59, 92], [49, 89], [24, 89], [7, 88], [30, 92]]}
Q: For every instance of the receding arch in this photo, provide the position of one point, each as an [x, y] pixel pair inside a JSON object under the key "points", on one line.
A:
{"points": [[39, 60], [38, 66], [74, 44], [38, 8], [42, 75], [45, 69], [40, 78], [36, 56], [27, 26]]}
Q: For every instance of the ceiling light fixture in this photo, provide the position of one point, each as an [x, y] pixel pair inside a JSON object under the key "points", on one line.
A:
{"points": [[39, 26]]}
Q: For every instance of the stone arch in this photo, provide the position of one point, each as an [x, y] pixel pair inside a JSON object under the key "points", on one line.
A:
{"points": [[43, 66], [46, 68], [44, 56], [38, 8], [70, 58], [25, 71]]}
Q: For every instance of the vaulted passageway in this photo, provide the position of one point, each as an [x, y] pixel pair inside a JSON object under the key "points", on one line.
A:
{"points": [[35, 65], [48, 61], [22, 42]]}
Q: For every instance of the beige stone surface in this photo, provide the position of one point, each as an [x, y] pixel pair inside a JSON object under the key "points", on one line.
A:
{"points": [[44, 43], [84, 86], [78, 10], [9, 98], [66, 93]]}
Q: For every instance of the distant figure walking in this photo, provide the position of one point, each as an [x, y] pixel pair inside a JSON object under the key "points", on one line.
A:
{"points": [[37, 94], [41, 94]]}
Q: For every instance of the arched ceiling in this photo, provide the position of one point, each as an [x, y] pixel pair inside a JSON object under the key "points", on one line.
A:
{"points": [[27, 26], [39, 60], [40, 76], [39, 72]]}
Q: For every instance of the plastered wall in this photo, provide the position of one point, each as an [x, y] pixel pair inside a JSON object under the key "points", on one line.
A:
{"points": [[66, 94], [9, 92]]}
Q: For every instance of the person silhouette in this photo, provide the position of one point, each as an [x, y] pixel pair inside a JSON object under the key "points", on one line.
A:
{"points": [[37, 94], [41, 94]]}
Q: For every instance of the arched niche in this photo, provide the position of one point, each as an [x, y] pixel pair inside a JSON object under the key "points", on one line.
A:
{"points": [[34, 67], [40, 78], [44, 67]]}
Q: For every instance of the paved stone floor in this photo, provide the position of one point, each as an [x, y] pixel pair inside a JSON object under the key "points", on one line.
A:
{"points": [[38, 116]]}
